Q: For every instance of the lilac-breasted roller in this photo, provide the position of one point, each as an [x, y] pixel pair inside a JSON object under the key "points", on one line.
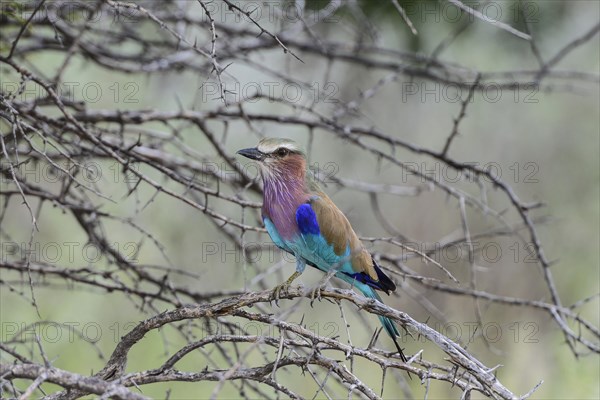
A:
{"points": [[302, 220]]}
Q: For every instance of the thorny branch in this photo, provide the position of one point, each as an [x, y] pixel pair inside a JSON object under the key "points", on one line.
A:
{"points": [[154, 154]]}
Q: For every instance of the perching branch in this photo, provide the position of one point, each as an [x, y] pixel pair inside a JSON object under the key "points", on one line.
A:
{"points": [[471, 374]]}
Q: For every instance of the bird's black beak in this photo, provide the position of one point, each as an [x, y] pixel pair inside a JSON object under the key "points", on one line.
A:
{"points": [[252, 153]]}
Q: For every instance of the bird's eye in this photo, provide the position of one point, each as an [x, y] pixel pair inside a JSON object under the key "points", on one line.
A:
{"points": [[282, 152]]}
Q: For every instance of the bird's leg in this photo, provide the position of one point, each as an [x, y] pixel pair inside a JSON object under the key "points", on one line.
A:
{"points": [[285, 285], [300, 265], [316, 293]]}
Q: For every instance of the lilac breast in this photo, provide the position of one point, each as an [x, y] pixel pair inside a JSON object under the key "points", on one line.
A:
{"points": [[280, 207]]}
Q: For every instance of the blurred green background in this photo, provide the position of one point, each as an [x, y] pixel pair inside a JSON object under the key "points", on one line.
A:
{"points": [[546, 144]]}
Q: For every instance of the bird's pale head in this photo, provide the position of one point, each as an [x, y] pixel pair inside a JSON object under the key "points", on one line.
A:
{"points": [[278, 158]]}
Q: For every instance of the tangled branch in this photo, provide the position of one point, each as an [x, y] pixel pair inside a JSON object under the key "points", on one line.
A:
{"points": [[99, 168]]}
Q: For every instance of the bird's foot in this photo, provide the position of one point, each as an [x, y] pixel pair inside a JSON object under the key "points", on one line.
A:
{"points": [[277, 291], [316, 294], [284, 286]]}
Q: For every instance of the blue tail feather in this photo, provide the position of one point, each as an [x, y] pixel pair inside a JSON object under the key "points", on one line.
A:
{"points": [[389, 325]]}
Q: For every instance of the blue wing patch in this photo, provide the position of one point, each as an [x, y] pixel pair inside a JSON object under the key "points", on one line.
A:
{"points": [[307, 220], [312, 246]]}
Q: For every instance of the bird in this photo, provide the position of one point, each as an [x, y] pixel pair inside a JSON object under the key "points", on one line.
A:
{"points": [[302, 220]]}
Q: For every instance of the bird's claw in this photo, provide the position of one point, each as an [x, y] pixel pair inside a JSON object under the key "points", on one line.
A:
{"points": [[284, 286], [277, 291], [316, 294]]}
